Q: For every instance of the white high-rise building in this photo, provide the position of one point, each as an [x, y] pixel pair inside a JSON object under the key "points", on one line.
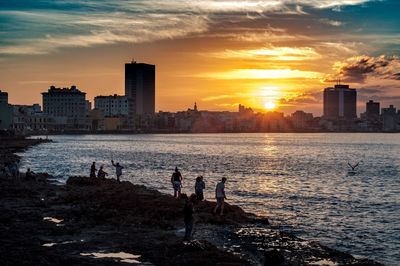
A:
{"points": [[113, 105]]}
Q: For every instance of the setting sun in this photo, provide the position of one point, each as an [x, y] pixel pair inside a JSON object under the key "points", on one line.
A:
{"points": [[269, 105]]}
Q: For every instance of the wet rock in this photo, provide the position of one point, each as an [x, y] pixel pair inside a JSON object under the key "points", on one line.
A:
{"points": [[273, 257], [84, 181]]}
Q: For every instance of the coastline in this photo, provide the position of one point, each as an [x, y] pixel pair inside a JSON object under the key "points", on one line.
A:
{"points": [[132, 132], [90, 215]]}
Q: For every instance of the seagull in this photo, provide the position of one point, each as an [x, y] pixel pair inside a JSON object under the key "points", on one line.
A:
{"points": [[353, 168]]}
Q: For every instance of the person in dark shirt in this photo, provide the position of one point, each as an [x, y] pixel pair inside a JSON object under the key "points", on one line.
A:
{"points": [[93, 170], [188, 217], [101, 173], [199, 187]]}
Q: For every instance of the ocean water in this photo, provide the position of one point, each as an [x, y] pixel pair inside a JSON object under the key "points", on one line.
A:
{"points": [[300, 181]]}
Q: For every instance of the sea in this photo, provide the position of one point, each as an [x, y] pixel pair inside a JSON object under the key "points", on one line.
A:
{"points": [[300, 181]]}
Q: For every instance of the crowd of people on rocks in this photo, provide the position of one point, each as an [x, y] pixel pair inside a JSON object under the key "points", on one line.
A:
{"points": [[176, 181], [12, 169], [102, 174], [198, 195]]}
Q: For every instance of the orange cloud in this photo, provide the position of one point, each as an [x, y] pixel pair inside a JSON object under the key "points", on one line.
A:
{"points": [[263, 74]]}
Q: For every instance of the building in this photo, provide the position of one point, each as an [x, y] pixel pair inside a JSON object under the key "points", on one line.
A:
{"points": [[340, 102], [27, 109], [6, 112], [88, 107], [113, 123], [40, 122], [27, 118], [68, 102], [96, 117], [244, 110], [390, 119], [372, 110], [113, 105], [140, 88], [3, 97], [301, 119]]}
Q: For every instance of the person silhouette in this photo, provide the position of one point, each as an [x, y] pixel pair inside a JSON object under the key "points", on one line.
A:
{"points": [[188, 216], [101, 173], [118, 170], [220, 196], [176, 180], [93, 170], [199, 187]]}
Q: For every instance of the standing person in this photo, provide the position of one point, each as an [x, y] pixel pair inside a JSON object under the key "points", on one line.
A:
{"points": [[176, 180], [188, 216], [93, 170], [118, 170], [199, 187], [220, 196], [101, 173]]}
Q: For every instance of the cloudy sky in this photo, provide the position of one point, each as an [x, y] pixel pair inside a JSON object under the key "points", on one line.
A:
{"points": [[217, 53]]}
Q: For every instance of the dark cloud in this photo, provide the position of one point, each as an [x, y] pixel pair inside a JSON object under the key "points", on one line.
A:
{"points": [[358, 68], [370, 91], [387, 94], [302, 99]]}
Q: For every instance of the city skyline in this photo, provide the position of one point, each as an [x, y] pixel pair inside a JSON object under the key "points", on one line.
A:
{"points": [[107, 100], [215, 53]]}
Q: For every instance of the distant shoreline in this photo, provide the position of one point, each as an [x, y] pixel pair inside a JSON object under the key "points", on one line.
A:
{"points": [[191, 133]]}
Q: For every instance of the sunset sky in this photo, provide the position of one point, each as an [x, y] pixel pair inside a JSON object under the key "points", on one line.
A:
{"points": [[215, 53]]}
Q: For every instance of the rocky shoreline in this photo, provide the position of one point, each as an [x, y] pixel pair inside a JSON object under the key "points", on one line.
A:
{"points": [[102, 222]]}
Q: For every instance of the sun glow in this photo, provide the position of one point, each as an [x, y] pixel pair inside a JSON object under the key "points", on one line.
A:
{"points": [[269, 105]]}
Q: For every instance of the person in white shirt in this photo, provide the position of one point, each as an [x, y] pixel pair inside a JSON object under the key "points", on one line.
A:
{"points": [[220, 196], [118, 170]]}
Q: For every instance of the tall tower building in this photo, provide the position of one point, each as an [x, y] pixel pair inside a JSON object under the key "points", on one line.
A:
{"points": [[140, 88], [340, 102], [6, 111], [3, 97]]}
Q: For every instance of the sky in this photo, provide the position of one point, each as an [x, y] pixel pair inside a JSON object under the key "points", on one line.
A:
{"points": [[276, 54]]}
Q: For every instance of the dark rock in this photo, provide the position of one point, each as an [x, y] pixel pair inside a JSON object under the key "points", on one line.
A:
{"points": [[273, 257]]}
